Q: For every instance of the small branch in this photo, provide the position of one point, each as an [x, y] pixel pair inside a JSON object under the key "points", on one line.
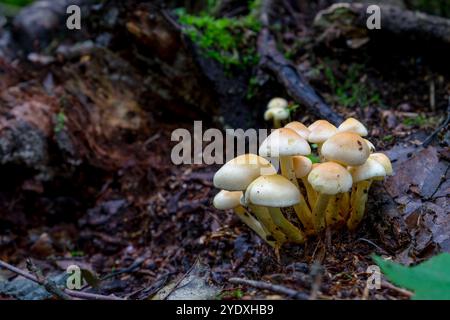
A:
{"points": [[18, 271], [50, 286], [90, 296], [390, 286], [317, 277], [287, 74], [270, 287], [372, 243]]}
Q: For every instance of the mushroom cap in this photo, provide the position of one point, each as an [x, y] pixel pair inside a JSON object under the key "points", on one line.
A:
{"points": [[369, 170], [225, 200], [370, 145], [353, 125], [321, 132], [273, 191], [300, 128], [346, 148], [276, 113], [277, 103], [313, 125], [384, 160], [330, 178], [302, 166], [238, 173], [284, 142]]}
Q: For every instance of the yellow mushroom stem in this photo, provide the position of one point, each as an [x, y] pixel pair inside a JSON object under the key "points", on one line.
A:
{"points": [[310, 192], [271, 229], [332, 211], [359, 203], [318, 213], [254, 224], [301, 209], [344, 206], [293, 233], [352, 195]]}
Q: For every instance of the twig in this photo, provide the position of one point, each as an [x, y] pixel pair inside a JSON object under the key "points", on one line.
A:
{"points": [[178, 282], [316, 268], [373, 244], [271, 287], [70, 293], [316, 275], [18, 271], [130, 269], [48, 284], [90, 296], [446, 122]]}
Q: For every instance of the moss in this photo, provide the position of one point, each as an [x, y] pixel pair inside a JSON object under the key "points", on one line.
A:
{"points": [[418, 121], [226, 40], [19, 3], [232, 294], [388, 138]]}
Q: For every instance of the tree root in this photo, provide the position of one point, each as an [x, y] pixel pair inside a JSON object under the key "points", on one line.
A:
{"points": [[287, 74], [349, 20]]}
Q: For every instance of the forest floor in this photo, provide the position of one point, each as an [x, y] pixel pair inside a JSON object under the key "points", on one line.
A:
{"points": [[146, 225]]}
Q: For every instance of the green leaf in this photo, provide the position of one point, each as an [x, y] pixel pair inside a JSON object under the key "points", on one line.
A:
{"points": [[429, 280], [19, 3]]}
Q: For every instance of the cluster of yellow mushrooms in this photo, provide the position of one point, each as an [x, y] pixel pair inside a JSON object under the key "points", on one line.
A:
{"points": [[304, 198]]}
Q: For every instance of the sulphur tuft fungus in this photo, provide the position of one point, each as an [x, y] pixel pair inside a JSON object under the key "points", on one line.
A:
{"points": [[384, 161], [276, 103], [346, 148], [363, 176], [336, 189], [370, 145], [302, 167], [277, 115], [353, 125], [285, 143], [238, 173], [277, 110], [299, 128], [316, 123], [320, 132]]}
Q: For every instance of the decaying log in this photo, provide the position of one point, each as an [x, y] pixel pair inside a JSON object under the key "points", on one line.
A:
{"points": [[36, 24], [349, 20], [287, 74]]}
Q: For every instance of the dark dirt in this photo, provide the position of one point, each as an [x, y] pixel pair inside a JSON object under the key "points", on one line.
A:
{"points": [[102, 192]]}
